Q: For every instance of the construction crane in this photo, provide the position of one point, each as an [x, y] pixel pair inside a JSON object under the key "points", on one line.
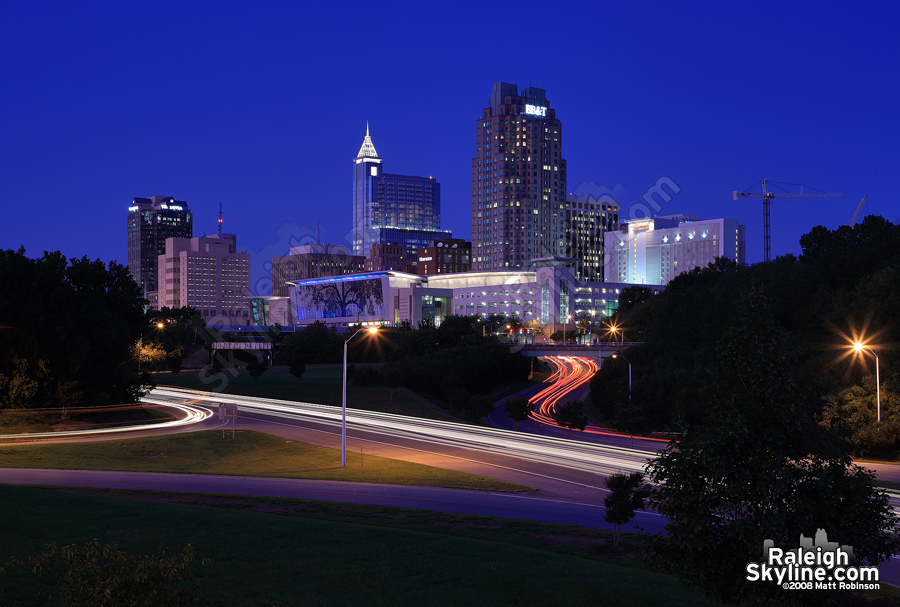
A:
{"points": [[862, 203], [767, 197]]}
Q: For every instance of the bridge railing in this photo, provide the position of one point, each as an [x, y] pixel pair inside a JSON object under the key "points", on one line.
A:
{"points": [[606, 346]]}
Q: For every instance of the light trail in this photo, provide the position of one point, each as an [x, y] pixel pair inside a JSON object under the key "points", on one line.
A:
{"points": [[571, 373], [192, 414], [573, 455]]}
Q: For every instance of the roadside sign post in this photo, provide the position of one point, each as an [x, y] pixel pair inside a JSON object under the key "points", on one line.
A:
{"points": [[228, 411]]}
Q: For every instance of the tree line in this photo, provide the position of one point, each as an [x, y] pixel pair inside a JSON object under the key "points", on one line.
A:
{"points": [[841, 288]]}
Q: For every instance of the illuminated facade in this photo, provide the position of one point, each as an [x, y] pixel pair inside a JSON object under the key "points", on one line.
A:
{"points": [[588, 220], [518, 181], [548, 294], [656, 250], [206, 273], [406, 205], [150, 222]]}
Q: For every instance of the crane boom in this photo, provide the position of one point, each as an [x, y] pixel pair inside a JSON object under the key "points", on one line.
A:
{"points": [[862, 203], [767, 197]]}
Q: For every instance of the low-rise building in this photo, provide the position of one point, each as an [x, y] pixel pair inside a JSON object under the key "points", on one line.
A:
{"points": [[548, 294], [445, 256], [313, 261]]}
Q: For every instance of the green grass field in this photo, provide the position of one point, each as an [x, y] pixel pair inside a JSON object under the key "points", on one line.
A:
{"points": [[306, 553], [320, 384], [248, 454]]}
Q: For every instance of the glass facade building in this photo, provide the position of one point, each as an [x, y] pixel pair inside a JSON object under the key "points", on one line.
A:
{"points": [[150, 222], [588, 220], [391, 208]]}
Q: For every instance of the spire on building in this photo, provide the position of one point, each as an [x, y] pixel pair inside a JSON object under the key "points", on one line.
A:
{"points": [[368, 148]]}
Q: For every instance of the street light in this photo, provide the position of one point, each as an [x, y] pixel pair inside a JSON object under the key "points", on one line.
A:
{"points": [[614, 329], [485, 328], [566, 329], [861, 347], [629, 374], [372, 330]]}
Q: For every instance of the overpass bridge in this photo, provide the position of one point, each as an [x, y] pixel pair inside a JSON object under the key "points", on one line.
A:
{"points": [[599, 350]]}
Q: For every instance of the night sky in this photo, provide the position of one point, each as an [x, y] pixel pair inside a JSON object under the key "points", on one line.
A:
{"points": [[262, 106]]}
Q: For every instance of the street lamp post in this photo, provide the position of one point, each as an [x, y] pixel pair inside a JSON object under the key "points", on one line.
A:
{"points": [[861, 347], [566, 330], [485, 328], [371, 330]]}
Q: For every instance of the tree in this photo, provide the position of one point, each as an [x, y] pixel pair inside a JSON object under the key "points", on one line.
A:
{"points": [[102, 575], [480, 405], [762, 468], [518, 410], [174, 360], [152, 354], [570, 416], [97, 317], [297, 368], [392, 378], [627, 493], [256, 368]]}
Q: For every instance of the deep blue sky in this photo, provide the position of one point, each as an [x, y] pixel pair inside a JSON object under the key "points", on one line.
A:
{"points": [[262, 106]]}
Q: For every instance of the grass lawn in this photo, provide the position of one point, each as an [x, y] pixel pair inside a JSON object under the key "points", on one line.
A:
{"points": [[20, 421], [248, 454], [313, 553], [320, 384]]}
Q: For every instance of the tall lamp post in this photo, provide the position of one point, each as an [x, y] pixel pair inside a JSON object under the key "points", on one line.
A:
{"points": [[371, 330], [861, 347], [566, 330], [629, 374], [485, 328]]}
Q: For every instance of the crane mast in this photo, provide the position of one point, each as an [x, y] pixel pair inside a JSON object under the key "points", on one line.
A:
{"points": [[767, 197]]}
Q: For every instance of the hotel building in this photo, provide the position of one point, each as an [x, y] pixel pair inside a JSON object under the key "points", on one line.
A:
{"points": [[656, 250]]}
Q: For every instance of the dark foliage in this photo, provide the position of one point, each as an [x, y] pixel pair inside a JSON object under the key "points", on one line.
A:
{"points": [[68, 330], [518, 410], [844, 282], [763, 468]]}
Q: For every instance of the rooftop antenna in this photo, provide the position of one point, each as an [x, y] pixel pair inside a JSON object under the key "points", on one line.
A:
{"points": [[319, 224], [220, 219]]}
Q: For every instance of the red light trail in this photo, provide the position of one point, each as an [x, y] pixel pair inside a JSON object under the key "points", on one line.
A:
{"points": [[570, 374]]}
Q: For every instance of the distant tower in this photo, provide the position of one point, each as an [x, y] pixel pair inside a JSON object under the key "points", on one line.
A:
{"points": [[220, 219], [389, 208], [518, 181], [150, 222]]}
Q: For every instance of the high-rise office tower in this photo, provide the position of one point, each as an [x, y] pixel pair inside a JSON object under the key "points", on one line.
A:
{"points": [[408, 207], [588, 220], [518, 181], [150, 222]]}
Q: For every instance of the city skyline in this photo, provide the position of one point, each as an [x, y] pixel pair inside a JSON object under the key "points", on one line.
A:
{"points": [[99, 117]]}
